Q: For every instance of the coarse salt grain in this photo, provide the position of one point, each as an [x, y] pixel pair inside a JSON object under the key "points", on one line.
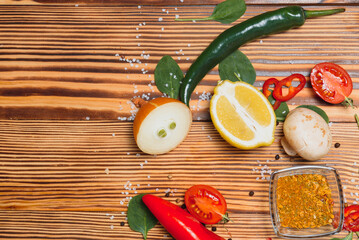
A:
{"points": [[160, 19]]}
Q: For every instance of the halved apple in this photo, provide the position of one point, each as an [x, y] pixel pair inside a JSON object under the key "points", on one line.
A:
{"points": [[161, 125]]}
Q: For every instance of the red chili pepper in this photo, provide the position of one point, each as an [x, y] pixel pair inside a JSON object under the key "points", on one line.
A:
{"points": [[277, 92], [177, 221], [267, 93]]}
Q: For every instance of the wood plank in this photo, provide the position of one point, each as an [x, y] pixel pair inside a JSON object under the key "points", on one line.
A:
{"points": [[171, 2], [107, 225], [65, 179], [69, 62], [96, 166]]}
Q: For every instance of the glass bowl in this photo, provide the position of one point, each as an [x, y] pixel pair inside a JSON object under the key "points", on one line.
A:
{"points": [[337, 196]]}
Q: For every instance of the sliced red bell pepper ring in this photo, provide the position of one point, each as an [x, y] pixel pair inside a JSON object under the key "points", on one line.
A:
{"points": [[277, 92], [267, 93]]}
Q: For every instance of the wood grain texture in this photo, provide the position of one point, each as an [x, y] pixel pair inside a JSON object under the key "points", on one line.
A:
{"points": [[68, 161], [173, 2], [87, 62], [73, 176]]}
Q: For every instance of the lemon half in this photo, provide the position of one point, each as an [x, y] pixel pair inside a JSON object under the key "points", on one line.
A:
{"points": [[242, 115]]}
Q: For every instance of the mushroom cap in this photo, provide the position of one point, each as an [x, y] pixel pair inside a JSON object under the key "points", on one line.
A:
{"points": [[307, 133]]}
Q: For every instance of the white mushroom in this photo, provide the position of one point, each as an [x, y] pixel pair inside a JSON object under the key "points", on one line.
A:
{"points": [[307, 134]]}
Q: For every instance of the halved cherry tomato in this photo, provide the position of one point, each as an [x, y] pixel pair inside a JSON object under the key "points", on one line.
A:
{"points": [[351, 218], [350, 209], [205, 203], [351, 222], [331, 82]]}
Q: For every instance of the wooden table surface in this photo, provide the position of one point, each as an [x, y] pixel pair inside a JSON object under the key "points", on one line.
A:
{"points": [[68, 160]]}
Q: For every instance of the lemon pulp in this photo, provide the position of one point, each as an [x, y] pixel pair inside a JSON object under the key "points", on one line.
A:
{"points": [[242, 115]]}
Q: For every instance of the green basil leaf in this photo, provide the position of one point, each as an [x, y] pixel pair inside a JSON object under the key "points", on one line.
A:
{"points": [[225, 12], [317, 110], [140, 218], [282, 111], [235, 66], [348, 237], [168, 76], [229, 11]]}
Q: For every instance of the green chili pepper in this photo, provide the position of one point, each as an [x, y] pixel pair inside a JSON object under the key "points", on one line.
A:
{"points": [[227, 42]]}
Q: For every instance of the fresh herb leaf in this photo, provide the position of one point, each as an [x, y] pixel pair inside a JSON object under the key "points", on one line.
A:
{"points": [[225, 12], [168, 76], [235, 66], [140, 218], [348, 237], [282, 111], [356, 119], [316, 109]]}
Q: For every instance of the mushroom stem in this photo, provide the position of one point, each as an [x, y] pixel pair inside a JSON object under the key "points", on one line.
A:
{"points": [[287, 148]]}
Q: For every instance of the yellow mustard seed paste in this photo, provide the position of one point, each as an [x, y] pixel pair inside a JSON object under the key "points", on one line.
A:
{"points": [[304, 201]]}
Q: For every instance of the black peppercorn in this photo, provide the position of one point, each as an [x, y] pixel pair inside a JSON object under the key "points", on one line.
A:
{"points": [[183, 206], [277, 157], [214, 229], [122, 223], [167, 194], [337, 145], [251, 193]]}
